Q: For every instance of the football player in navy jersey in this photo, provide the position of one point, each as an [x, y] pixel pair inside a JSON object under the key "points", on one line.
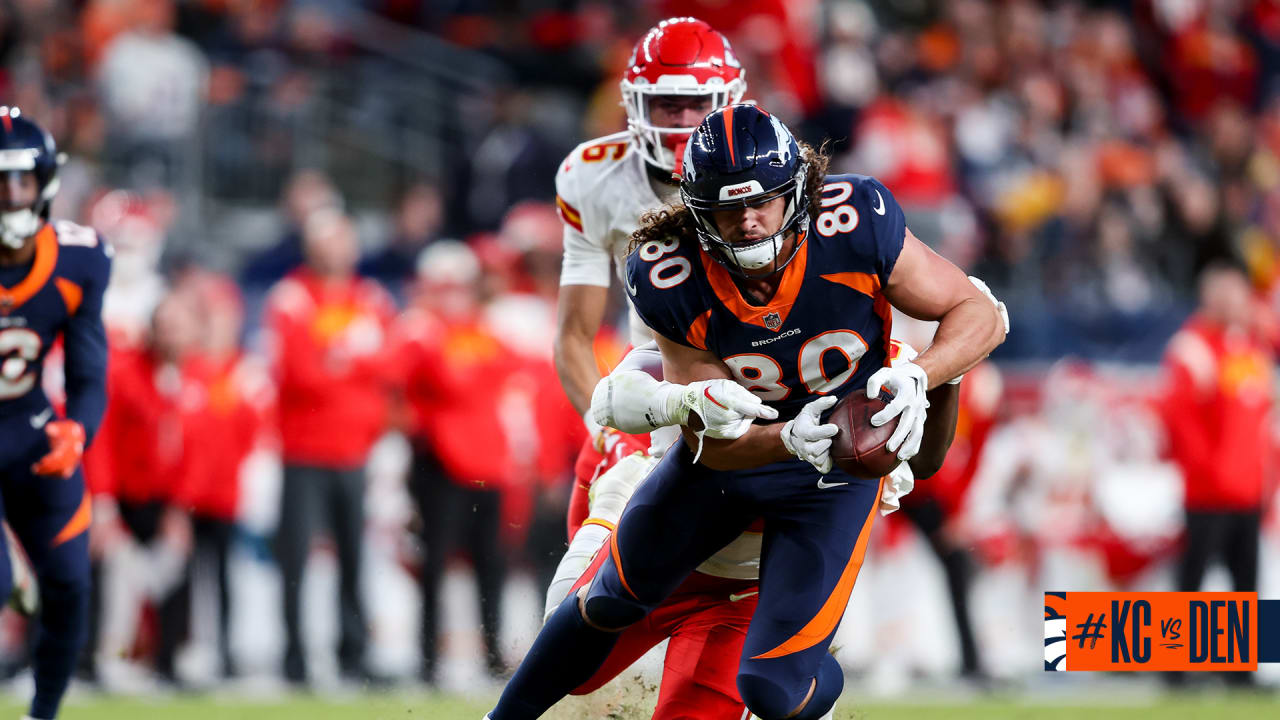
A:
{"points": [[781, 278], [52, 276]]}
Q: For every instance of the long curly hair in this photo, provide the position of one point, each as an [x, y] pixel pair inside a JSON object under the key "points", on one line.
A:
{"points": [[675, 220]]}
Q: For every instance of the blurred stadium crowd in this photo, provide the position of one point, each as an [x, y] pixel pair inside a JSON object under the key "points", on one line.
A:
{"points": [[350, 203]]}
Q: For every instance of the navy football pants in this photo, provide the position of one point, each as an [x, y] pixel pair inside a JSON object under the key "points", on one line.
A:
{"points": [[50, 516], [814, 542]]}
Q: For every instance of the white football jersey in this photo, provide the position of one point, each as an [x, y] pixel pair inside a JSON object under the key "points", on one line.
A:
{"points": [[602, 189]]}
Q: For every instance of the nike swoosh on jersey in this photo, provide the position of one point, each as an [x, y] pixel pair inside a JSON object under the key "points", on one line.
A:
{"points": [[734, 597], [631, 289], [823, 485], [38, 421], [879, 210]]}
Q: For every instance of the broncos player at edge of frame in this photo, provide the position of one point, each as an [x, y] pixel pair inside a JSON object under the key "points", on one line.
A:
{"points": [[52, 276], [739, 284]]}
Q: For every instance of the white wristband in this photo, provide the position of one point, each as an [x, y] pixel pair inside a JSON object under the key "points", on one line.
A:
{"points": [[634, 402]]}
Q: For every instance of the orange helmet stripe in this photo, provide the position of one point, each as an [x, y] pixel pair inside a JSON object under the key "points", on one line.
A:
{"points": [[728, 132]]}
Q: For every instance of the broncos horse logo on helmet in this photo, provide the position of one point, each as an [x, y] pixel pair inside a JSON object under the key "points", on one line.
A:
{"points": [[741, 156], [26, 147]]}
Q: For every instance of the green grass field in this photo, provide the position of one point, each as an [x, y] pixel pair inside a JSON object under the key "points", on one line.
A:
{"points": [[414, 706]]}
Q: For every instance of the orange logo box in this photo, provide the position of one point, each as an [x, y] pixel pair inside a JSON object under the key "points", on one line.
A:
{"points": [[1151, 631]]}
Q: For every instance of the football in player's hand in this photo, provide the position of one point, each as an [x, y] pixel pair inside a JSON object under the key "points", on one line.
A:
{"points": [[858, 449]]}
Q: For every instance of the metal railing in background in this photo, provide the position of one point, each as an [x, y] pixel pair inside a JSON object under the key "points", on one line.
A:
{"points": [[373, 122], [406, 106]]}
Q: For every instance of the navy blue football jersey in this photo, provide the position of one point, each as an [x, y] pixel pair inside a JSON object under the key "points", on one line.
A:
{"points": [[825, 331], [58, 293]]}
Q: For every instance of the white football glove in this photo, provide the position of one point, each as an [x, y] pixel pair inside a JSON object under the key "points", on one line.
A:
{"points": [[908, 382], [634, 402], [725, 407], [808, 438]]}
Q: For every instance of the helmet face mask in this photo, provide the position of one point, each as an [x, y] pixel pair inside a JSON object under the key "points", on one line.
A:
{"points": [[741, 157], [26, 152], [679, 57]]}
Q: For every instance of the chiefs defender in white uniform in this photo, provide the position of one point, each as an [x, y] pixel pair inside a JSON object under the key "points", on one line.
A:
{"points": [[680, 70]]}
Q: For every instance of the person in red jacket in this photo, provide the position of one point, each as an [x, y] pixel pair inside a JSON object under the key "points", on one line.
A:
{"points": [[152, 437], [237, 394], [1220, 379], [326, 333], [457, 380]]}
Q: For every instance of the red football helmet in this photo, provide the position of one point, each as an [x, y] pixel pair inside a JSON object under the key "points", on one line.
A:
{"points": [[679, 56]]}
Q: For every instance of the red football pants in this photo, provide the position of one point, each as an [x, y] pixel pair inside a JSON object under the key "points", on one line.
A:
{"points": [[706, 620]]}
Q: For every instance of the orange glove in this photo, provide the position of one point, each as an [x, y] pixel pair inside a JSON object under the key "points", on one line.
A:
{"points": [[66, 445]]}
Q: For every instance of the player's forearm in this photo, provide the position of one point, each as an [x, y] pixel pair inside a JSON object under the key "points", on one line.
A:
{"points": [[966, 335], [761, 445], [576, 365], [939, 430], [580, 313], [86, 372]]}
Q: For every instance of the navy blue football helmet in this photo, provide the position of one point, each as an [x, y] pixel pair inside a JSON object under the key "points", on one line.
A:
{"points": [[26, 147], [741, 156]]}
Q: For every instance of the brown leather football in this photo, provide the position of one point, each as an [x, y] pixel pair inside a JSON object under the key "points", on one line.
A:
{"points": [[858, 449]]}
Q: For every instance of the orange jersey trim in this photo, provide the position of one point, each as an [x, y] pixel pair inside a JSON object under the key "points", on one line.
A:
{"points": [[78, 523], [41, 269], [828, 617], [597, 521], [780, 303], [866, 283], [568, 214], [71, 294], [697, 334], [869, 284]]}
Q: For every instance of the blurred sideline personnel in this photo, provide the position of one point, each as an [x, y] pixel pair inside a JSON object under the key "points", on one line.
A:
{"points": [[1220, 377], [719, 280], [936, 506], [456, 372], [327, 330], [679, 71], [151, 446], [52, 276], [237, 398]]}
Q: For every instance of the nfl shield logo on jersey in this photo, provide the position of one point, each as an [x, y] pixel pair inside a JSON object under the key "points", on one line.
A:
{"points": [[773, 321]]}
